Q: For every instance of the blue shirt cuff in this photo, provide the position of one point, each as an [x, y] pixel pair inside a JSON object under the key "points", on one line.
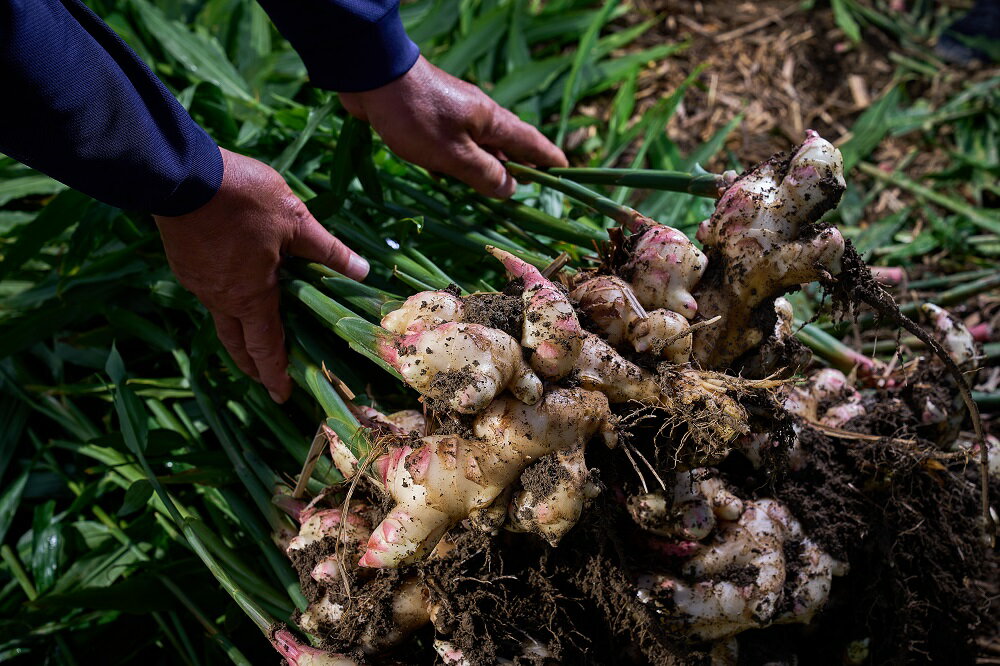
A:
{"points": [[200, 183], [346, 45]]}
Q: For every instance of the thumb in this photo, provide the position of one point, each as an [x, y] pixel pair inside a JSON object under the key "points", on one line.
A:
{"points": [[481, 171], [313, 242]]}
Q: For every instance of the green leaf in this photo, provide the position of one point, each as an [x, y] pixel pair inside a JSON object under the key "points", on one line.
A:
{"points": [[563, 25], [364, 337], [136, 497], [845, 21], [46, 546], [130, 410], [879, 233], [211, 108], [316, 116], [13, 416], [364, 165], [115, 367], [10, 500], [197, 51], [63, 211], [923, 244], [441, 18], [584, 56], [484, 34], [28, 186], [871, 127], [531, 79], [518, 53]]}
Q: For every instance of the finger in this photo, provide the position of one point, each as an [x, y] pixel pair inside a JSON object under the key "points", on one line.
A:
{"points": [[265, 343], [479, 170], [230, 333], [313, 242], [521, 141]]}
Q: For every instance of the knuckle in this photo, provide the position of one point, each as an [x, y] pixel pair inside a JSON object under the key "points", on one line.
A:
{"points": [[259, 350]]}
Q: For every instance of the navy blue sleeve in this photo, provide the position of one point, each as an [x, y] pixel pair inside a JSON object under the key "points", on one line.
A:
{"points": [[346, 45], [80, 106]]}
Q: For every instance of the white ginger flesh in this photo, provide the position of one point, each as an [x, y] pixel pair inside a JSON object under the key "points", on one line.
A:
{"points": [[411, 609], [462, 367], [663, 269], [443, 478], [350, 537], [532, 652], [608, 302], [699, 497], [550, 329], [408, 421], [756, 248], [953, 335], [556, 488], [343, 457], [424, 310], [826, 386], [992, 453], [601, 368], [449, 653], [741, 578], [328, 524], [319, 614]]}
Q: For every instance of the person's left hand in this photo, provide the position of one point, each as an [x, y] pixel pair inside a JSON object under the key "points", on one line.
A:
{"points": [[444, 124]]}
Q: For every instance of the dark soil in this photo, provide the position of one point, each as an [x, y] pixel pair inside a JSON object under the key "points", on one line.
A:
{"points": [[503, 310], [904, 521]]}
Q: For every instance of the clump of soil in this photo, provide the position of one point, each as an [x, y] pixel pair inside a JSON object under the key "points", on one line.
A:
{"points": [[908, 529], [502, 310]]}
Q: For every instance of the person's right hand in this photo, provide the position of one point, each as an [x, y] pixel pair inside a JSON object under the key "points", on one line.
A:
{"points": [[444, 124], [228, 252]]}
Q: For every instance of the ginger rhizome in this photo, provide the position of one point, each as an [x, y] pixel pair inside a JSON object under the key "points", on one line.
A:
{"points": [[706, 605], [764, 239], [648, 353], [439, 480], [462, 366]]}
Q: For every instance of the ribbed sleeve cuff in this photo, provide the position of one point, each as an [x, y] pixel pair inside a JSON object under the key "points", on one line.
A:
{"points": [[202, 181], [383, 54]]}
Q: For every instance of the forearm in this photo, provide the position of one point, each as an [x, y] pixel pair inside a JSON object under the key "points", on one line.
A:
{"points": [[346, 45], [84, 109]]}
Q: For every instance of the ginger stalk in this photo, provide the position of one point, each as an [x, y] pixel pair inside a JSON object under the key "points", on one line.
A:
{"points": [[608, 302], [440, 479], [462, 366], [757, 249], [550, 329]]}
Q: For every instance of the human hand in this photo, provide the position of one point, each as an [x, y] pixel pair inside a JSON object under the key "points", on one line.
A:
{"points": [[444, 124], [228, 252]]}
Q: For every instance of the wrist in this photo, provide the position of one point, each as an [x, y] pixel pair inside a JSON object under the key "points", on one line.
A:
{"points": [[200, 184]]}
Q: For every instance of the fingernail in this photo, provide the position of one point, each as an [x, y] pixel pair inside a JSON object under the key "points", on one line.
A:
{"points": [[507, 187], [275, 397], [357, 267]]}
